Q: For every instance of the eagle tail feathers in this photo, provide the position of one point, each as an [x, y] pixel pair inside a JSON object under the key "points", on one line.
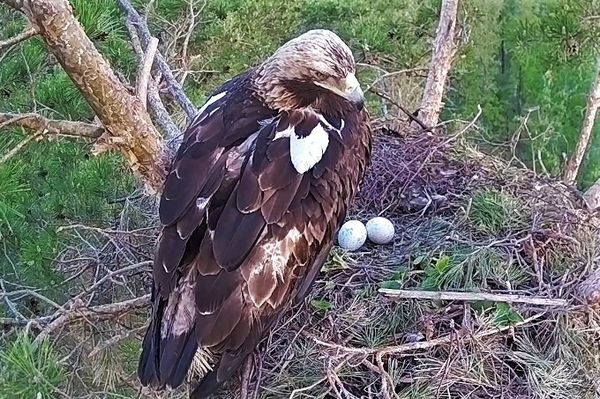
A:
{"points": [[165, 360]]}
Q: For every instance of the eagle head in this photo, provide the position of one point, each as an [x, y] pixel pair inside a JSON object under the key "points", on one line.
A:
{"points": [[315, 69]]}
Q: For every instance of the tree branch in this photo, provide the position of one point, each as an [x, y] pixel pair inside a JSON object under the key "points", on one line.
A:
{"points": [[38, 122], [443, 52], [593, 103], [172, 84], [16, 4], [128, 127], [26, 34], [157, 109], [144, 75]]}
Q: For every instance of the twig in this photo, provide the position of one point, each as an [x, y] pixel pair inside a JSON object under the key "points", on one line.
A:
{"points": [[412, 346], [26, 34], [172, 84], [13, 151], [97, 313], [308, 388], [144, 75], [390, 74], [116, 339], [403, 109], [51, 126], [471, 296], [158, 112], [112, 274]]}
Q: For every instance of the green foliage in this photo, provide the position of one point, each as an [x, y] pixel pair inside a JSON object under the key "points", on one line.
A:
{"points": [[494, 211], [320, 304], [28, 371], [53, 183]]}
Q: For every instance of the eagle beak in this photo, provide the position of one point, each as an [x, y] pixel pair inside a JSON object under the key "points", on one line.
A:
{"points": [[357, 97], [353, 92]]}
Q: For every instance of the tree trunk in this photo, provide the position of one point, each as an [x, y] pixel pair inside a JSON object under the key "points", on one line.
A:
{"points": [[128, 125], [443, 52], [593, 103]]}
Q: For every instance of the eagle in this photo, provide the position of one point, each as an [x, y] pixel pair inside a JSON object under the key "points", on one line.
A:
{"points": [[255, 194]]}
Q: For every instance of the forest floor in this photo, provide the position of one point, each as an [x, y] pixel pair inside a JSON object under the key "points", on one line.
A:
{"points": [[518, 246]]}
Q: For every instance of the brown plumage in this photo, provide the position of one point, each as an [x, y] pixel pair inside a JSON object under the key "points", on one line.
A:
{"points": [[258, 189]]}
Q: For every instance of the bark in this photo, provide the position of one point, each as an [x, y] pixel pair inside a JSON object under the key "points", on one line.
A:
{"points": [[444, 49], [128, 125], [593, 103]]}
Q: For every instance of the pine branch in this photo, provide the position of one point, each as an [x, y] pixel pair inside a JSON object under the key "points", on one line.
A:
{"points": [[129, 128]]}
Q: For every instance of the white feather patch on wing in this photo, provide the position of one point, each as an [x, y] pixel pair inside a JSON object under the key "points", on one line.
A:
{"points": [[210, 101], [180, 313], [307, 151]]}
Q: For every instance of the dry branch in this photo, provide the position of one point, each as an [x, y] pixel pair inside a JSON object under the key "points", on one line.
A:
{"points": [[144, 75], [26, 34], [128, 127], [51, 126], [422, 345], [95, 313], [443, 52], [593, 103], [172, 84], [471, 296]]}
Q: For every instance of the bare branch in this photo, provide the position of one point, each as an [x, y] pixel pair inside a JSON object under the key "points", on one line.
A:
{"points": [[443, 52], [144, 75], [593, 103], [26, 34], [422, 345], [15, 150], [95, 313], [157, 109], [172, 84], [471, 296], [51, 126], [16, 4]]}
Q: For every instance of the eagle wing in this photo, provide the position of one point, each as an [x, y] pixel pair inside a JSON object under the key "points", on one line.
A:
{"points": [[249, 210]]}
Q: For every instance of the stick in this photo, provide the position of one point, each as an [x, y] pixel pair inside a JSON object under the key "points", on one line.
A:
{"points": [[412, 346], [98, 313], [172, 84], [26, 34], [53, 126], [471, 296], [144, 75]]}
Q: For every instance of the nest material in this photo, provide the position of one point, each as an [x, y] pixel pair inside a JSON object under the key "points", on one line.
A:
{"points": [[465, 222]]}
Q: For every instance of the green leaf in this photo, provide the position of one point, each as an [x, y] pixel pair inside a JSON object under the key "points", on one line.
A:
{"points": [[418, 260], [320, 304], [442, 263], [391, 284]]}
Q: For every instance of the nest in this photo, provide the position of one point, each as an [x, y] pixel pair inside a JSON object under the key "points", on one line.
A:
{"points": [[465, 223]]}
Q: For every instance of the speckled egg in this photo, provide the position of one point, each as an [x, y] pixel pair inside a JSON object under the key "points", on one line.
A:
{"points": [[352, 235], [380, 230]]}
